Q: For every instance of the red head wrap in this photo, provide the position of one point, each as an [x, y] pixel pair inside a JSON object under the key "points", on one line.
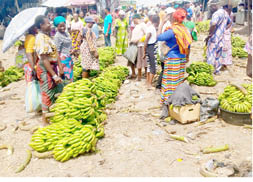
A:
{"points": [[179, 15]]}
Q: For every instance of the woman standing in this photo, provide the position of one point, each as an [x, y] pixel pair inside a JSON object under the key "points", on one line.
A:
{"points": [[76, 28], [64, 47], [47, 65], [88, 49], [226, 58], [121, 34], [29, 68], [178, 39]]}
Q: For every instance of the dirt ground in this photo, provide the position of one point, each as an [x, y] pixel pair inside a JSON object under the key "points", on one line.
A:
{"points": [[135, 144]]}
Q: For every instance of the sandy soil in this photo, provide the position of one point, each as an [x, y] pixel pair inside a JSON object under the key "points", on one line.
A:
{"points": [[134, 144]]}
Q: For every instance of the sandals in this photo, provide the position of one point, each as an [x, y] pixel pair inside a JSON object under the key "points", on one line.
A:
{"points": [[131, 77]]}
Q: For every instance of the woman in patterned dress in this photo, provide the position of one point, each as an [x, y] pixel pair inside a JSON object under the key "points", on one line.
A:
{"points": [[88, 49], [50, 80], [63, 43], [121, 27], [216, 39], [76, 28]]}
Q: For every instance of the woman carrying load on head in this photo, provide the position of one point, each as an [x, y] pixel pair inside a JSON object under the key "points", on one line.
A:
{"points": [[178, 39], [63, 43], [121, 34], [50, 80]]}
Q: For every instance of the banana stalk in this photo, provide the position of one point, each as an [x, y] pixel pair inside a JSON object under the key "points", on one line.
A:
{"points": [[27, 161], [179, 138], [215, 149]]}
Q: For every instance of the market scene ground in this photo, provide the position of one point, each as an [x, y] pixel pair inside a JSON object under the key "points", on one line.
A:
{"points": [[138, 141]]}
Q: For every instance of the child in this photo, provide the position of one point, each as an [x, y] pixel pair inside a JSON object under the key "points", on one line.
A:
{"points": [[150, 49]]}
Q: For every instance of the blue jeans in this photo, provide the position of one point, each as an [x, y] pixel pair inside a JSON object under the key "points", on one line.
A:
{"points": [[108, 40]]}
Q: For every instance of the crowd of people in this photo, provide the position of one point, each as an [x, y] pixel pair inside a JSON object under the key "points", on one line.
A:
{"points": [[163, 34]]}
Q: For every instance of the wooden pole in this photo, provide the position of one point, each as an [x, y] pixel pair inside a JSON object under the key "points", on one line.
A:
{"points": [[249, 16], [17, 6]]}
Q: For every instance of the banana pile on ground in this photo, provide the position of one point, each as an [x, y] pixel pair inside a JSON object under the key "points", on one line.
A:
{"points": [[66, 139], [203, 26], [77, 123], [12, 74], [108, 84], [238, 47], [107, 57], [234, 100], [200, 73]]}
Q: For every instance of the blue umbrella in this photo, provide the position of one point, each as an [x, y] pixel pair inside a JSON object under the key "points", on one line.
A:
{"points": [[20, 24]]}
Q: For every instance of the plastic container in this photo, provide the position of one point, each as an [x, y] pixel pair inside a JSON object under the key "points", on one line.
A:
{"points": [[235, 118]]}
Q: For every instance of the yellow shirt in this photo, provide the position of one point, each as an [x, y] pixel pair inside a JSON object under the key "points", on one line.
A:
{"points": [[29, 43]]}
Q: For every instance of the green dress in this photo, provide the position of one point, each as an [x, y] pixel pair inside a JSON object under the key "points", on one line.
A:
{"points": [[122, 36]]}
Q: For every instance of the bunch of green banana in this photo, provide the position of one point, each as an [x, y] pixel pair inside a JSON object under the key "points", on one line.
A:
{"points": [[77, 69], [234, 100], [203, 26], [81, 141], [77, 101], [45, 139], [107, 56], [199, 67], [12, 74], [200, 73], [77, 123], [237, 41], [202, 79], [239, 52]]}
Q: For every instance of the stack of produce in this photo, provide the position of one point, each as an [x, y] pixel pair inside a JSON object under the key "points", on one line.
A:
{"points": [[235, 100], [66, 139], [107, 56], [238, 47], [200, 73], [108, 83], [203, 26], [77, 70], [12, 74], [77, 123]]}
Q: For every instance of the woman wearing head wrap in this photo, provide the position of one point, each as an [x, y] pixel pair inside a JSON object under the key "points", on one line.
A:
{"points": [[215, 41], [121, 34], [178, 39], [63, 43], [47, 72], [88, 49]]}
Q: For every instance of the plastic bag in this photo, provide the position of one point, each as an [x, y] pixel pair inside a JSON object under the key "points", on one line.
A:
{"points": [[33, 97], [131, 53], [209, 108]]}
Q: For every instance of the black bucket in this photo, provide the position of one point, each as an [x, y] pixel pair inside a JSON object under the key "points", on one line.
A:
{"points": [[235, 118]]}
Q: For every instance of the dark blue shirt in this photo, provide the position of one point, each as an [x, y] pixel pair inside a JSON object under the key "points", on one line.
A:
{"points": [[170, 39]]}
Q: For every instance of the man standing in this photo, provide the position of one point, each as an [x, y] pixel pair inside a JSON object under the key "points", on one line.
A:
{"points": [[215, 41], [189, 10], [108, 27]]}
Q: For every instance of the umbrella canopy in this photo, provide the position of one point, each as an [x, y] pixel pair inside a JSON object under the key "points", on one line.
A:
{"points": [[20, 24], [55, 3], [81, 2]]}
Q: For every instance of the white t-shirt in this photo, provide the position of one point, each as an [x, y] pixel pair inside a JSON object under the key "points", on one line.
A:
{"points": [[151, 29]]}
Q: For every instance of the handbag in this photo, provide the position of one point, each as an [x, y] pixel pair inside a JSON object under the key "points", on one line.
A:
{"points": [[166, 49], [131, 53]]}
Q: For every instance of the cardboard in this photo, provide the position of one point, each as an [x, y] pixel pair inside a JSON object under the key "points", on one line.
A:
{"points": [[186, 114]]}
